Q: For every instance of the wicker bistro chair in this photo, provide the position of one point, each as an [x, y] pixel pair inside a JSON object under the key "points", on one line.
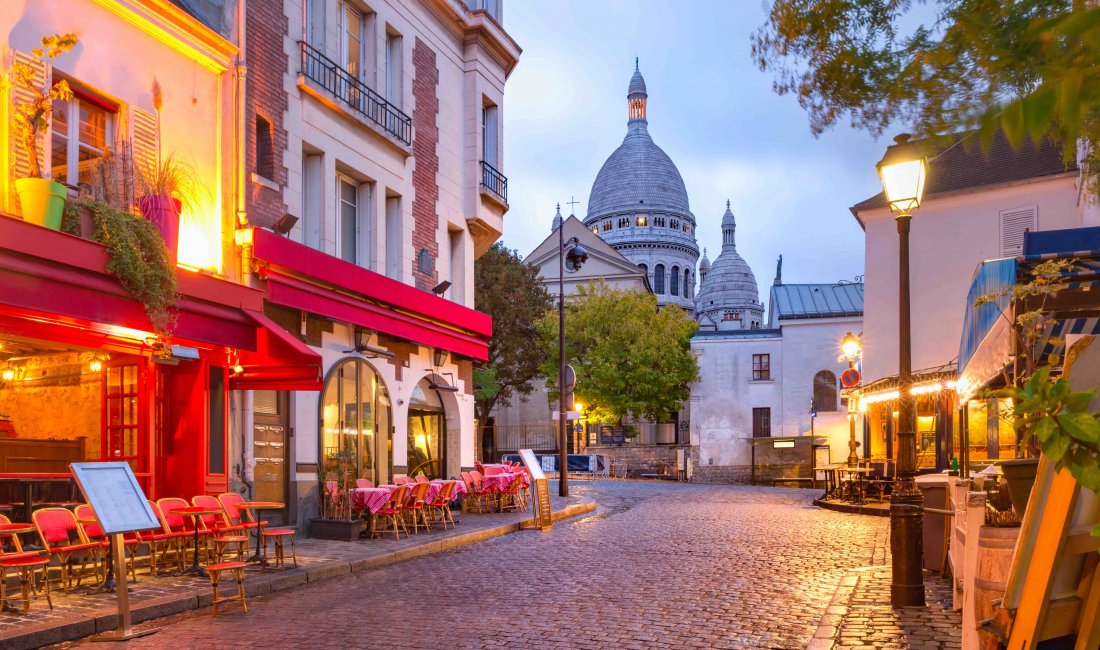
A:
{"points": [[392, 511], [184, 525], [236, 569], [94, 533], [363, 483], [489, 495], [163, 543], [475, 492], [224, 535], [415, 506], [420, 478], [441, 505], [15, 544], [512, 498], [57, 527], [279, 536]]}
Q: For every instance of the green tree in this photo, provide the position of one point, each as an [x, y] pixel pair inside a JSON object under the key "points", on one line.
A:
{"points": [[510, 292], [1029, 67], [630, 357]]}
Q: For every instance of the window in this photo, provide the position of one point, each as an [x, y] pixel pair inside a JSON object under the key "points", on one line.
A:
{"points": [[352, 35], [81, 132], [761, 422], [313, 198], [394, 73], [761, 367], [458, 265], [824, 391], [645, 270], [355, 415], [595, 231], [687, 228], [624, 222], [659, 279], [674, 224], [351, 219], [489, 135], [642, 220], [674, 281], [394, 237], [265, 149], [687, 284], [607, 225], [315, 23], [659, 222]]}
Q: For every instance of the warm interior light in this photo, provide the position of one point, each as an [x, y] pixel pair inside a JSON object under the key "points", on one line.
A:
{"points": [[8, 374], [902, 171], [237, 369], [96, 365], [200, 238]]}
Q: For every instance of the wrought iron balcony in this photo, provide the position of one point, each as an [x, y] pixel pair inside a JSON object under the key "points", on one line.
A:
{"points": [[353, 93], [494, 181]]}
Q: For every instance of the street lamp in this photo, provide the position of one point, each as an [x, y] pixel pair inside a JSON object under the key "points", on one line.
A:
{"points": [[568, 260], [852, 351], [902, 171]]}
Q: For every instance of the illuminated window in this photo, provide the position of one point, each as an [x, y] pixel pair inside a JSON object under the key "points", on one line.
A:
{"points": [[595, 231], [82, 129], [624, 222], [642, 220], [607, 225]]}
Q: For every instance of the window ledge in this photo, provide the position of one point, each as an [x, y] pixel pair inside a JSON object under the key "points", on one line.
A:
{"points": [[761, 381], [265, 181], [492, 197]]}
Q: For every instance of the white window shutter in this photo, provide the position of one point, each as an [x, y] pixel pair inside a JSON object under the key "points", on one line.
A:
{"points": [[1014, 223], [21, 166], [143, 137]]}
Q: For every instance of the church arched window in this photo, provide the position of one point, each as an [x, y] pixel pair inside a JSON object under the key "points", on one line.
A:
{"points": [[624, 222], [687, 283], [825, 391], [674, 282], [645, 270], [659, 279]]}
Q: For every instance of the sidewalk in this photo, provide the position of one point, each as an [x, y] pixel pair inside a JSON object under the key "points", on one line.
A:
{"points": [[860, 616], [81, 614]]}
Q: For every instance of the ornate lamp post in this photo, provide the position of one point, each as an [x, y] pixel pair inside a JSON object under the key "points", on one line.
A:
{"points": [[852, 351], [902, 171], [568, 260]]}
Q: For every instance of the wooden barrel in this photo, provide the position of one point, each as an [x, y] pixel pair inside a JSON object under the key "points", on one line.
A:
{"points": [[995, 547]]}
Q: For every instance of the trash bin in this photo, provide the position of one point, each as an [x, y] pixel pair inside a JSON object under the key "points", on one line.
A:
{"points": [[933, 487]]}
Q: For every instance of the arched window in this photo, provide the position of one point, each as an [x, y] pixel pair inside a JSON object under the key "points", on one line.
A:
{"points": [[687, 283], [659, 279], [355, 416], [645, 270], [824, 391], [674, 282]]}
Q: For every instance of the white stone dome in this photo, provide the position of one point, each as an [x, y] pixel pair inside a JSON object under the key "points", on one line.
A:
{"points": [[729, 293]]}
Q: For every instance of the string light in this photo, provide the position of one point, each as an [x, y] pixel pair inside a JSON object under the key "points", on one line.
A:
{"points": [[920, 389]]}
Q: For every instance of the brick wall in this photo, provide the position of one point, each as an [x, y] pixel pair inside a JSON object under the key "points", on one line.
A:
{"points": [[425, 161], [265, 96]]}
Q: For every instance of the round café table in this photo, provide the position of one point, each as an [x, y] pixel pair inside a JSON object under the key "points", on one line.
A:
{"points": [[257, 508], [195, 512]]}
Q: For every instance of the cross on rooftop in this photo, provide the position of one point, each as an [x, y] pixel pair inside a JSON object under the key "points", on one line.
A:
{"points": [[572, 203]]}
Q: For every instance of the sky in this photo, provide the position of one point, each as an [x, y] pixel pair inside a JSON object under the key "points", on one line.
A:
{"points": [[711, 110]]}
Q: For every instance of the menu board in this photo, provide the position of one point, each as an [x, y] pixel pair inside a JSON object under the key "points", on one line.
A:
{"points": [[543, 516], [116, 497]]}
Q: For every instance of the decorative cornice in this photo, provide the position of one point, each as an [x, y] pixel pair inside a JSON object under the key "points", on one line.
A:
{"points": [[177, 29]]}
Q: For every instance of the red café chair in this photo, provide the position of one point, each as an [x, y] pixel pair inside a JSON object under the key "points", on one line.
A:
{"points": [[229, 501], [414, 506], [422, 479], [225, 534], [16, 545], [392, 511], [162, 542], [400, 480], [491, 494], [94, 533], [26, 564], [475, 491], [183, 525], [441, 505], [57, 527], [512, 497], [363, 483]]}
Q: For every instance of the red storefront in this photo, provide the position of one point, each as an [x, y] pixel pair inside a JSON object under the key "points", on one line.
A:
{"points": [[83, 378]]}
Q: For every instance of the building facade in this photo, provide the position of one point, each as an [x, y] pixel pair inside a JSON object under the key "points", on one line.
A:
{"points": [[375, 148]]}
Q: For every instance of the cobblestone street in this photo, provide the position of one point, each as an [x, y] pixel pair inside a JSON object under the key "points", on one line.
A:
{"points": [[658, 565]]}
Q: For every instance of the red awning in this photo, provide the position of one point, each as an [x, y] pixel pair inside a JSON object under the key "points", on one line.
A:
{"points": [[280, 362]]}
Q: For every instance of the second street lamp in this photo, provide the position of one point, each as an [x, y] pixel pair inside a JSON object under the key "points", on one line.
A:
{"points": [[852, 351], [568, 260], [902, 171]]}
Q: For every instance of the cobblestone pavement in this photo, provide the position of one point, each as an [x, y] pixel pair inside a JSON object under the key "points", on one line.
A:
{"points": [[659, 565]]}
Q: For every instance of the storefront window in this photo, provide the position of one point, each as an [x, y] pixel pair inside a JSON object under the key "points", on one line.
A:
{"points": [[426, 432], [355, 414]]}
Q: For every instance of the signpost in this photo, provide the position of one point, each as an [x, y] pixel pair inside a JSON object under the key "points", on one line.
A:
{"points": [[120, 507], [850, 378], [543, 518]]}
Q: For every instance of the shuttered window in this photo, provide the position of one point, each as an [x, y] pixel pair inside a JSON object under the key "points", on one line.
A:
{"points": [[21, 164], [1013, 224]]}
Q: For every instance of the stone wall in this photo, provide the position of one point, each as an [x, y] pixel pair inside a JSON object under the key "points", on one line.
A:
{"points": [[426, 165], [59, 399], [639, 459], [266, 99], [739, 474]]}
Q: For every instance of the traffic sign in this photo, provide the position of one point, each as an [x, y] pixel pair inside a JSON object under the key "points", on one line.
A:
{"points": [[850, 377]]}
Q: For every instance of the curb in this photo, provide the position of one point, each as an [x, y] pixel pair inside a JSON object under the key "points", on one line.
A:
{"points": [[37, 635], [852, 508]]}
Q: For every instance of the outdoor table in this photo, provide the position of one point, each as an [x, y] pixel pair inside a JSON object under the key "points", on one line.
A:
{"points": [[855, 475], [257, 507], [371, 499], [29, 480], [832, 480], [496, 468], [14, 529], [195, 512]]}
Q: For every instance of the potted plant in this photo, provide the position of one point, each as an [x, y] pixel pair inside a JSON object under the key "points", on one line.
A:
{"points": [[336, 478], [41, 199], [164, 186]]}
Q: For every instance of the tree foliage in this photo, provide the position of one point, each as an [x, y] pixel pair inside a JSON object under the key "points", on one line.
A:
{"points": [[1029, 67], [512, 293], [631, 359]]}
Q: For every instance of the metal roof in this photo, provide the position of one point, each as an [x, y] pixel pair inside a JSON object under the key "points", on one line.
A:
{"points": [[789, 301]]}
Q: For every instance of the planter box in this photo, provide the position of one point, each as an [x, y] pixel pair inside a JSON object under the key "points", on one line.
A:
{"points": [[344, 530]]}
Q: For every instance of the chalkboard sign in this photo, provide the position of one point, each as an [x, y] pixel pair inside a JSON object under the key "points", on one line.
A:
{"points": [[116, 497]]}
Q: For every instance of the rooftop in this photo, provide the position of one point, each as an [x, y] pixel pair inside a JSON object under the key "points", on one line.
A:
{"points": [[791, 301], [962, 164]]}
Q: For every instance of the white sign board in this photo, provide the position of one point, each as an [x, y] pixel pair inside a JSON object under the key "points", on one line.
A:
{"points": [[532, 463], [116, 497]]}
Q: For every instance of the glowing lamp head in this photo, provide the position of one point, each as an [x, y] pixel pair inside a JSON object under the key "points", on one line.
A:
{"points": [[902, 172], [578, 407], [96, 365], [8, 374], [850, 345]]}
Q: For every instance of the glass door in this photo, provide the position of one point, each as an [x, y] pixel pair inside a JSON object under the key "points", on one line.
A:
{"points": [[123, 424]]}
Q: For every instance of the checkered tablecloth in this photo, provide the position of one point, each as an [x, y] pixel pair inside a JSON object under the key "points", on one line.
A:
{"points": [[370, 498]]}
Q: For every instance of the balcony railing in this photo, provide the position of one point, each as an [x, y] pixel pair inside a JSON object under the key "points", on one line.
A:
{"points": [[494, 181], [352, 92]]}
